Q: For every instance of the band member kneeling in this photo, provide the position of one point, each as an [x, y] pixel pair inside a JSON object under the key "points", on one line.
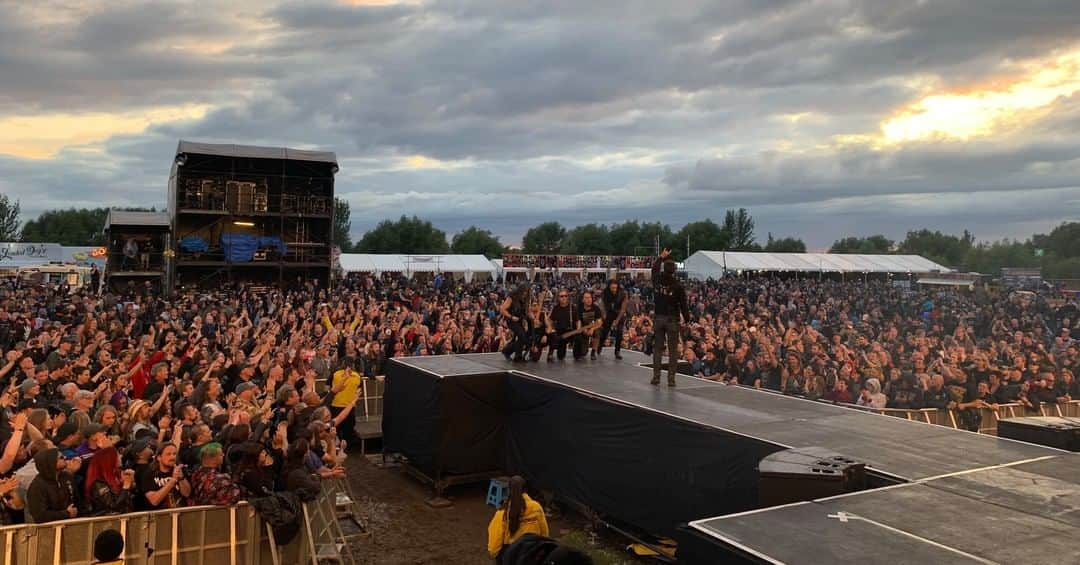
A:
{"points": [[580, 324], [562, 320]]}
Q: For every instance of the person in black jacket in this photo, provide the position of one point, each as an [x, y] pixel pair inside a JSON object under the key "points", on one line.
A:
{"points": [[670, 302], [51, 495], [615, 303], [513, 309]]}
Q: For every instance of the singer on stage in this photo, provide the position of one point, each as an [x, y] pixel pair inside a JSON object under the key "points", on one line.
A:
{"points": [[671, 302]]}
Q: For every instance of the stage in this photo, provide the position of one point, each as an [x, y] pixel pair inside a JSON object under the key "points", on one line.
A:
{"points": [[654, 456]]}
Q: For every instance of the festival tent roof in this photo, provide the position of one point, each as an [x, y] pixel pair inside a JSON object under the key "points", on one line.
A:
{"points": [[705, 264], [390, 263]]}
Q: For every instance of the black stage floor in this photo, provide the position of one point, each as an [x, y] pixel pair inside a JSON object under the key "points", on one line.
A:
{"points": [[966, 497]]}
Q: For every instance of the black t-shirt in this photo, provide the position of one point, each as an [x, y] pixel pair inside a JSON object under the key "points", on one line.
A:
{"points": [[614, 302], [590, 314], [152, 480], [562, 318]]}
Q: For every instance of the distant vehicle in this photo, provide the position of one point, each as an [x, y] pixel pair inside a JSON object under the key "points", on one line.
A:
{"points": [[75, 276]]}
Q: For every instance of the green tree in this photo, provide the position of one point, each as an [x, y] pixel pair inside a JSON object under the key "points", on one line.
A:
{"points": [[740, 228], [785, 245], [83, 226], [873, 245], [406, 235], [546, 238], [989, 258], [625, 238], [342, 224], [948, 250], [9, 219], [473, 240], [704, 235], [587, 239], [1062, 242]]}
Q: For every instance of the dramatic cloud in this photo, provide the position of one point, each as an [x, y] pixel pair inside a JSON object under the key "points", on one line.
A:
{"points": [[824, 117]]}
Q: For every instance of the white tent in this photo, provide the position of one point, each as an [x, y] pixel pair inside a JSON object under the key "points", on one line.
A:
{"points": [[466, 265], [713, 264]]}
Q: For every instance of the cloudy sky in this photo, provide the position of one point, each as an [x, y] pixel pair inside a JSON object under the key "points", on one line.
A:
{"points": [[824, 117]]}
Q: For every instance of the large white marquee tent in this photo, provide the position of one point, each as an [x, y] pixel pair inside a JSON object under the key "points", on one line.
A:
{"points": [[467, 266], [714, 264]]}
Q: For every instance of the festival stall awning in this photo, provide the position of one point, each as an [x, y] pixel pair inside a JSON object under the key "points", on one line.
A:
{"points": [[706, 264]]}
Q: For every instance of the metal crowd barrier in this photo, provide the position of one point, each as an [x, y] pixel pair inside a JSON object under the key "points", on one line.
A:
{"points": [[370, 405], [989, 416], [211, 535]]}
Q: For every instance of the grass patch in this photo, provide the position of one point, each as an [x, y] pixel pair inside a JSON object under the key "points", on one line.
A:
{"points": [[579, 540]]}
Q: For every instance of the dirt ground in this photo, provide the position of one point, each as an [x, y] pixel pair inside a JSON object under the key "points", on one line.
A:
{"points": [[404, 530]]}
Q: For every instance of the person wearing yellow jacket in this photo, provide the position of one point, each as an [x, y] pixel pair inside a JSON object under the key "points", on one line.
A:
{"points": [[518, 516]]}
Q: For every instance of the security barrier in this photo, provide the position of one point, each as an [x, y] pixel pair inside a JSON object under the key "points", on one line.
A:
{"points": [[989, 417], [198, 535]]}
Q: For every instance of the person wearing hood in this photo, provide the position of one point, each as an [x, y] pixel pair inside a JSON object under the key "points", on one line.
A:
{"points": [[519, 515], [671, 302], [51, 494], [871, 395]]}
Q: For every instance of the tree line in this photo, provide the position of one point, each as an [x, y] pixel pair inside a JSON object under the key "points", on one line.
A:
{"points": [[415, 235], [1057, 253]]}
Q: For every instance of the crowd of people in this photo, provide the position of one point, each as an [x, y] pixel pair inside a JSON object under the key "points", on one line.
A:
{"points": [[114, 402], [880, 345]]}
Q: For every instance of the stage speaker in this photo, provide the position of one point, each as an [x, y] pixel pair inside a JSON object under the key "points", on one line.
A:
{"points": [[1062, 433], [796, 475]]}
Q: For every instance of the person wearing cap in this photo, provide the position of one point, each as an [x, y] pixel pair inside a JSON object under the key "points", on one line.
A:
{"points": [[245, 400], [67, 439], [208, 484], [30, 391], [95, 440]]}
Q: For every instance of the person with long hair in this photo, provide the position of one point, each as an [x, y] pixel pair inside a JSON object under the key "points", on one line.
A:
{"points": [[519, 515], [615, 303], [108, 490], [513, 311], [162, 483], [109, 418], [590, 318], [538, 325], [298, 478], [254, 469]]}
